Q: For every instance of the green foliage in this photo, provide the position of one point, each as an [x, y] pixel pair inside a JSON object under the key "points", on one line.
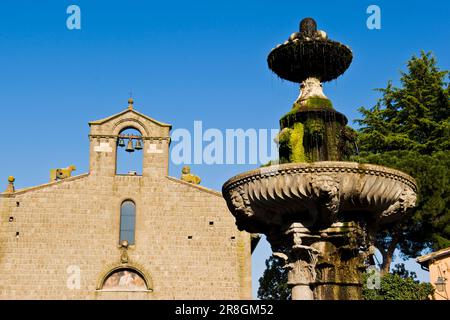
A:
{"points": [[409, 129], [273, 283], [347, 142], [398, 285], [400, 270], [413, 117]]}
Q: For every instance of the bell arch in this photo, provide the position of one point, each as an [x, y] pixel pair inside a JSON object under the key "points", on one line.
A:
{"points": [[154, 140], [129, 151], [130, 123]]}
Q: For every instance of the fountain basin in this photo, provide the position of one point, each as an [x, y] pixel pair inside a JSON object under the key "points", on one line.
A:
{"points": [[317, 195], [298, 60]]}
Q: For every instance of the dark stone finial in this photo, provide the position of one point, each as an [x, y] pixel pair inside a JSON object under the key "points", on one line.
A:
{"points": [[308, 26], [309, 53]]}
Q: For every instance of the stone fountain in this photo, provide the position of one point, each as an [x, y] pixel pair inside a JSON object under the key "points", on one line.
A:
{"points": [[318, 212]]}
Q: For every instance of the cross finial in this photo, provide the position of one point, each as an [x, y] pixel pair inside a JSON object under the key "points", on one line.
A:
{"points": [[130, 101]]}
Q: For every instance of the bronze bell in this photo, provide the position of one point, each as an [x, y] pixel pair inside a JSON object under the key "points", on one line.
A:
{"points": [[121, 143], [129, 146], [138, 144]]}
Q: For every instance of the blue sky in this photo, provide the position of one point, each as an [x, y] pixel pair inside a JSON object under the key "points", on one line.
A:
{"points": [[183, 61]]}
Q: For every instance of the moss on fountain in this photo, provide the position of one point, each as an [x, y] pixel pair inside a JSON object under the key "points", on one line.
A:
{"points": [[296, 143], [313, 102], [312, 134], [291, 142]]}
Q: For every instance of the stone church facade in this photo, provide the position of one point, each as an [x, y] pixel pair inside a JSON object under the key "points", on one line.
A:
{"points": [[62, 240]]}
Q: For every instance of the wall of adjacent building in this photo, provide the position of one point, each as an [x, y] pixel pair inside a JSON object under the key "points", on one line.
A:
{"points": [[440, 268]]}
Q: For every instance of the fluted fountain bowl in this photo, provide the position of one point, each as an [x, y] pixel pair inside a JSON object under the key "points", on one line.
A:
{"points": [[300, 59], [318, 194]]}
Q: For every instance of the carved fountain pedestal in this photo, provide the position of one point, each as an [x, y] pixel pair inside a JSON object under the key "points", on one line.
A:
{"points": [[319, 213], [327, 265]]}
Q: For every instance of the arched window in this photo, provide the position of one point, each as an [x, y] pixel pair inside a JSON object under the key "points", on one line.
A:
{"points": [[129, 155], [127, 221]]}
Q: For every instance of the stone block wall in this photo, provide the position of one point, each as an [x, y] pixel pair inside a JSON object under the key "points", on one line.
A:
{"points": [[186, 241]]}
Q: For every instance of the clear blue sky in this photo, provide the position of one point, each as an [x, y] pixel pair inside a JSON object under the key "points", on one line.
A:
{"points": [[183, 61]]}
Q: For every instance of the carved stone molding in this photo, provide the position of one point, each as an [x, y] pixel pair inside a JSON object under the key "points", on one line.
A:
{"points": [[319, 167], [317, 193]]}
